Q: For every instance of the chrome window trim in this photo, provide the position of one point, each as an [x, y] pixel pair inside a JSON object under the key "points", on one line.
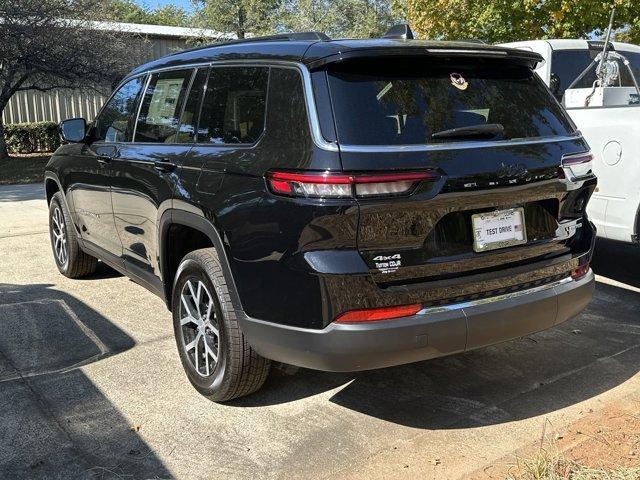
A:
{"points": [[312, 112], [498, 298], [314, 123]]}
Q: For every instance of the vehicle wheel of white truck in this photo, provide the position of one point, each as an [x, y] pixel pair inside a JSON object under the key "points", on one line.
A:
{"points": [[218, 361]]}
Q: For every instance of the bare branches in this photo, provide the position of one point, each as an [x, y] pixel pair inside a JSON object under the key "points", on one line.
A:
{"points": [[51, 44]]}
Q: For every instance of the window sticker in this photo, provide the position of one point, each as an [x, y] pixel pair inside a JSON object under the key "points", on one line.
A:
{"points": [[164, 101], [458, 81]]}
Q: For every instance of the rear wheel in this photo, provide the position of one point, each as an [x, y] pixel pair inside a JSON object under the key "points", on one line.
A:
{"points": [[70, 259], [218, 361]]}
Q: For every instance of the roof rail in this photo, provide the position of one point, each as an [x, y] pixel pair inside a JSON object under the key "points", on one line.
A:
{"points": [[291, 37]]}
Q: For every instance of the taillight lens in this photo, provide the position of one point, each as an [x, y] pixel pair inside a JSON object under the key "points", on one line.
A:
{"points": [[330, 185], [577, 166], [581, 271], [377, 314]]}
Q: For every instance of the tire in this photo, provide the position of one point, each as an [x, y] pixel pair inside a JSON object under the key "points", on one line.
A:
{"points": [[215, 355], [71, 261]]}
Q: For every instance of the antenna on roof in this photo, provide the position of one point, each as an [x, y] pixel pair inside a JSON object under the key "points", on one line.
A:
{"points": [[401, 31], [603, 58]]}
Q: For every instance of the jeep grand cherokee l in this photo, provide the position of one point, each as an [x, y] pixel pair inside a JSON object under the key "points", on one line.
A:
{"points": [[333, 204]]}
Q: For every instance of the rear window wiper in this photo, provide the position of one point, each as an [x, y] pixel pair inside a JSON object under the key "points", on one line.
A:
{"points": [[485, 130]]}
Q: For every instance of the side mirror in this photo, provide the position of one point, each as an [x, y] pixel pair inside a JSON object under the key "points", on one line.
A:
{"points": [[73, 130]]}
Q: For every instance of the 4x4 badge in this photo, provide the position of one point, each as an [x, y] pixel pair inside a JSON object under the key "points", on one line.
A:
{"points": [[458, 81]]}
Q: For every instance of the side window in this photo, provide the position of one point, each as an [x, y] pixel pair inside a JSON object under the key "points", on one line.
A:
{"points": [[161, 106], [189, 121], [568, 64], [233, 110], [114, 122], [634, 63]]}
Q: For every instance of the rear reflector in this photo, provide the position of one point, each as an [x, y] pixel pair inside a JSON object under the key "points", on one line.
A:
{"points": [[578, 166], [377, 314], [581, 271], [330, 185]]}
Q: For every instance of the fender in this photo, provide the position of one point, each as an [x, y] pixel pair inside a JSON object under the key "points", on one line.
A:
{"points": [[175, 216], [49, 175]]}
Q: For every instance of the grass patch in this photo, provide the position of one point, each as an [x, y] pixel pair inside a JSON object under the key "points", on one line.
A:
{"points": [[27, 168], [549, 466]]}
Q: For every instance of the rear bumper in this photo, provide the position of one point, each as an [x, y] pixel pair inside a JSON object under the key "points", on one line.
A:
{"points": [[431, 333]]}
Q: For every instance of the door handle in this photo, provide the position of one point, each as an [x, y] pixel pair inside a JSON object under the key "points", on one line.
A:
{"points": [[104, 159], [164, 166]]}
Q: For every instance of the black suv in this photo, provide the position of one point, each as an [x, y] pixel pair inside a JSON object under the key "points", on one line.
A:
{"points": [[332, 204]]}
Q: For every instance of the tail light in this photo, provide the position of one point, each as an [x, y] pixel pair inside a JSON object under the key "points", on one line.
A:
{"points": [[330, 185], [377, 314], [581, 271], [576, 166]]}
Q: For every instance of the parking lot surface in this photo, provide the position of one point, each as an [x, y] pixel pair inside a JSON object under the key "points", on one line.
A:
{"points": [[91, 384]]}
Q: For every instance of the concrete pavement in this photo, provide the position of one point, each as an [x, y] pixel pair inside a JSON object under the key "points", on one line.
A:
{"points": [[91, 385]]}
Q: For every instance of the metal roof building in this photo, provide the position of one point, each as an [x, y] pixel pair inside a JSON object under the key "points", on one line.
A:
{"points": [[152, 41]]}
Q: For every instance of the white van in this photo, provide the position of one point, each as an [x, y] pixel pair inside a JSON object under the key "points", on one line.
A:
{"points": [[609, 119]]}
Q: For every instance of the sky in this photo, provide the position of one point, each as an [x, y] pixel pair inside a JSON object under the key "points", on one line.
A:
{"points": [[186, 4]]}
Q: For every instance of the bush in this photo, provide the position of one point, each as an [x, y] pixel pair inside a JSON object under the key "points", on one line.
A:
{"points": [[32, 137]]}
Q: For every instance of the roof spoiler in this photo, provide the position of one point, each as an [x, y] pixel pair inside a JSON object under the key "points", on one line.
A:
{"points": [[401, 31]]}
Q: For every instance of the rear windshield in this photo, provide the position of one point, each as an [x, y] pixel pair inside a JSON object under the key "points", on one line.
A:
{"points": [[405, 103]]}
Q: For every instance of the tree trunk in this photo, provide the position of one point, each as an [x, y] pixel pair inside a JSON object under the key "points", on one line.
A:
{"points": [[4, 153]]}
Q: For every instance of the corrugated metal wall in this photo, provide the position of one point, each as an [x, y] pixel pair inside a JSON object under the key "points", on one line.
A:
{"points": [[52, 106], [56, 105]]}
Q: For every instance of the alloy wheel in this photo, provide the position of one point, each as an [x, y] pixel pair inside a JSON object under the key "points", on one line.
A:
{"points": [[200, 327], [59, 237]]}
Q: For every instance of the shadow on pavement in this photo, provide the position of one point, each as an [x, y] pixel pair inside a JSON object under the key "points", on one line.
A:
{"points": [[21, 193], [590, 354], [55, 422], [103, 271], [618, 261]]}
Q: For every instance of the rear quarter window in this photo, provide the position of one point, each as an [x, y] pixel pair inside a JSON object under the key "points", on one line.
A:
{"points": [[406, 102], [233, 109]]}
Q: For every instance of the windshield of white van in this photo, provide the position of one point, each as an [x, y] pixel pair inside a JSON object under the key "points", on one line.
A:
{"points": [[401, 103]]}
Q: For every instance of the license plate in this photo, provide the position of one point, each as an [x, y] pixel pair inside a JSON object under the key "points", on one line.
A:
{"points": [[499, 229]]}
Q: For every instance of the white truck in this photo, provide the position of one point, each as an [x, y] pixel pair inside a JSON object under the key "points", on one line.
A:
{"points": [[607, 112]]}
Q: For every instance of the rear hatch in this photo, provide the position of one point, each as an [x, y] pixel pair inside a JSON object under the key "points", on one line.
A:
{"points": [[492, 135]]}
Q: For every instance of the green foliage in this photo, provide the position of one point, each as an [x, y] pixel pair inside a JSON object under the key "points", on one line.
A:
{"points": [[128, 11], [32, 137], [242, 17], [504, 21], [337, 18]]}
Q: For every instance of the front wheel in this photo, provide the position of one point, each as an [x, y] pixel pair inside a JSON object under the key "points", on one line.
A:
{"points": [[218, 361], [71, 261]]}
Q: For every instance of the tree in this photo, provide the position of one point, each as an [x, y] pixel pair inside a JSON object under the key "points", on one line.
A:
{"points": [[128, 11], [240, 17], [51, 44], [504, 21], [337, 18]]}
